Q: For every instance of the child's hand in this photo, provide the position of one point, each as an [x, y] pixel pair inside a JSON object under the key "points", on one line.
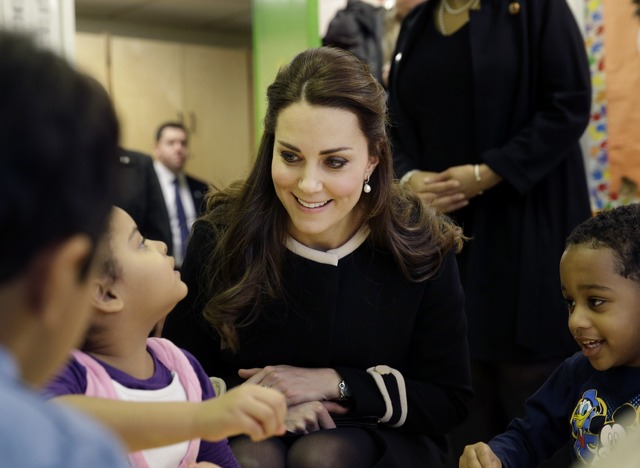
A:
{"points": [[479, 455], [202, 465], [247, 409]]}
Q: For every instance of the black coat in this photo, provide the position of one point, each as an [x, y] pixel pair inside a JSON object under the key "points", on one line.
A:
{"points": [[352, 315], [140, 195], [359, 28], [532, 102]]}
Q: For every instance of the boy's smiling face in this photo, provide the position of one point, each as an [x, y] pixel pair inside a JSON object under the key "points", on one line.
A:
{"points": [[604, 307]]}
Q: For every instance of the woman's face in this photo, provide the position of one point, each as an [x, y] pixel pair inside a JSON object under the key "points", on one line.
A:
{"points": [[320, 162]]}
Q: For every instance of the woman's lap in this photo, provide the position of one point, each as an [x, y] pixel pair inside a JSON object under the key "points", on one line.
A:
{"points": [[349, 447]]}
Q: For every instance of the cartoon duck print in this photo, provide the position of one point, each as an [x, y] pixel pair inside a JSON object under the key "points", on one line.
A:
{"points": [[586, 437]]}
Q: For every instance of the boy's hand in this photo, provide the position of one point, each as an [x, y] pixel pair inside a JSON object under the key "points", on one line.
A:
{"points": [[479, 455], [247, 409]]}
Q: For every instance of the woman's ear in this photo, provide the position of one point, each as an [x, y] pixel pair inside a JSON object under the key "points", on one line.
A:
{"points": [[373, 163], [105, 298]]}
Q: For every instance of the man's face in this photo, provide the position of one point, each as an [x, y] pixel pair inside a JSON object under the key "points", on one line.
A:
{"points": [[171, 149]]}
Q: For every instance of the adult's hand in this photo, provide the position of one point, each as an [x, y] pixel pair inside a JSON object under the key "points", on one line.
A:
{"points": [[468, 184], [438, 189], [297, 384], [308, 417]]}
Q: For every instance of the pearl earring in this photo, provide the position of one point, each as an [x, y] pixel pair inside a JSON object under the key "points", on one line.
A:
{"points": [[367, 187]]}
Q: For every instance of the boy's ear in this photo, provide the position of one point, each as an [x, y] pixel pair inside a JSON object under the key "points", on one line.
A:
{"points": [[105, 297]]}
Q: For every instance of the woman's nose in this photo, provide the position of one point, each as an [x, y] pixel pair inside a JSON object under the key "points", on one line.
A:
{"points": [[310, 181]]}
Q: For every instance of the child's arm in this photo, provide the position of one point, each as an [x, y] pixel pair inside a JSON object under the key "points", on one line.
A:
{"points": [[248, 409], [479, 455]]}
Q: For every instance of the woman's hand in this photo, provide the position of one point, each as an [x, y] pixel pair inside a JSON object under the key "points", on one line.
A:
{"points": [[297, 384], [438, 189], [308, 417], [452, 189], [469, 185]]}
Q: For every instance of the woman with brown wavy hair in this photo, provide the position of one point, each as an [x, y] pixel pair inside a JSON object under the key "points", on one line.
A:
{"points": [[321, 277]]}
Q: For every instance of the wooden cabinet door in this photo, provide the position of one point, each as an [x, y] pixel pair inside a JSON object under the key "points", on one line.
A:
{"points": [[147, 87], [92, 56], [218, 112]]}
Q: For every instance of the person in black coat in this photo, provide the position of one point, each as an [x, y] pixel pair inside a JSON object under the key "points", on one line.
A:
{"points": [[359, 28], [146, 190], [139, 194], [321, 277], [488, 100]]}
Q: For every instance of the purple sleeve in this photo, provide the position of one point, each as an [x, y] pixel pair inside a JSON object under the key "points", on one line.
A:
{"points": [[214, 452], [71, 380]]}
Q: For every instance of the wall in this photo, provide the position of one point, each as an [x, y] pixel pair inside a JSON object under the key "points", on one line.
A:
{"points": [[147, 31], [156, 74], [281, 29]]}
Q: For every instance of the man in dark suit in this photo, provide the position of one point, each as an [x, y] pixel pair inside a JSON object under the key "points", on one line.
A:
{"points": [[140, 195], [148, 188], [183, 195]]}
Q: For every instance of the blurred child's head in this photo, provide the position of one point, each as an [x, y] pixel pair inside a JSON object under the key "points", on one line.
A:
{"points": [[137, 283], [57, 160], [600, 276], [58, 154]]}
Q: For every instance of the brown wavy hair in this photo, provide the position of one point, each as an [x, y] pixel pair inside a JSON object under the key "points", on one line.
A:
{"points": [[250, 223]]}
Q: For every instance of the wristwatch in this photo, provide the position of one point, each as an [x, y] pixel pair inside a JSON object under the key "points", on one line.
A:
{"points": [[345, 391]]}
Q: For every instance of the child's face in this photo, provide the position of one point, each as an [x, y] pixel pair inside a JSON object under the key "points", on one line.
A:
{"points": [[604, 307], [148, 281]]}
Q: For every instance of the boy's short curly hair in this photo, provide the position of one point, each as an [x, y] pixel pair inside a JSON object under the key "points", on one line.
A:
{"points": [[617, 229]]}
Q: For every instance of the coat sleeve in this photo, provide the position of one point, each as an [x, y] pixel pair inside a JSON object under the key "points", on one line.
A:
{"points": [[561, 97], [435, 379]]}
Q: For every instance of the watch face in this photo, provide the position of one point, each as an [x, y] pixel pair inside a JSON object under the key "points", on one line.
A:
{"points": [[345, 391]]}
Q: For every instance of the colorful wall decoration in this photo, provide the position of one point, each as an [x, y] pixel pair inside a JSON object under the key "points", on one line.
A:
{"points": [[612, 141]]}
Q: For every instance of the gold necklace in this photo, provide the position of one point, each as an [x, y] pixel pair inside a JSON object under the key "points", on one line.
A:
{"points": [[444, 5], [457, 11]]}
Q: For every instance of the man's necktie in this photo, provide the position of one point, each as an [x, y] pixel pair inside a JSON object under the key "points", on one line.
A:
{"points": [[182, 219]]}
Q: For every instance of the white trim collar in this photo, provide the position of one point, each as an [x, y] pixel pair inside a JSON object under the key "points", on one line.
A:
{"points": [[330, 257]]}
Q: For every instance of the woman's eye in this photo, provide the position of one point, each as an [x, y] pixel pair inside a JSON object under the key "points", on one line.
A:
{"points": [[336, 163], [289, 157]]}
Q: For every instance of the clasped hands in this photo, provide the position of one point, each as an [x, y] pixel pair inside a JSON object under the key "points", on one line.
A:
{"points": [[308, 393], [451, 189]]}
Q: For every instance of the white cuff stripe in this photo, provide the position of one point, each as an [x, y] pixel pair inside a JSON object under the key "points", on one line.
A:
{"points": [[377, 372]]}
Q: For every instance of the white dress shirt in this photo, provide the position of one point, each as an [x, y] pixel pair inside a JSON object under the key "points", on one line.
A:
{"points": [[166, 178]]}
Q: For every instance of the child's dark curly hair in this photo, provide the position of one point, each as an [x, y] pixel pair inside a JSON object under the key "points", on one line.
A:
{"points": [[617, 229], [637, 2]]}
